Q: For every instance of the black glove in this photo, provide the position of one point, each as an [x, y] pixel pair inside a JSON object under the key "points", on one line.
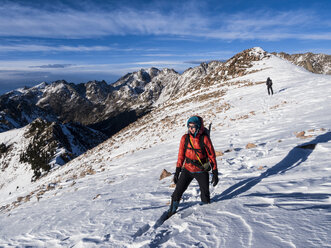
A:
{"points": [[176, 176], [214, 180]]}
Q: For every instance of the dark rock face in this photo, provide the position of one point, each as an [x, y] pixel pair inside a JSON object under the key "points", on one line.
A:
{"points": [[51, 144], [114, 124]]}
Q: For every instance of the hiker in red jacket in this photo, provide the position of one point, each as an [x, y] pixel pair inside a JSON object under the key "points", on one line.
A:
{"points": [[197, 151]]}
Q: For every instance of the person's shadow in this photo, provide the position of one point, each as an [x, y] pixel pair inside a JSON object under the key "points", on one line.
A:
{"points": [[293, 159]]}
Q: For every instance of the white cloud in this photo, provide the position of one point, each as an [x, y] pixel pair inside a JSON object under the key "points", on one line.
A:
{"points": [[45, 48], [18, 20]]}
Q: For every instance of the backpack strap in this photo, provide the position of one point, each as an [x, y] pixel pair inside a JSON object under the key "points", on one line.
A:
{"points": [[186, 143], [202, 144], [200, 166], [204, 149]]}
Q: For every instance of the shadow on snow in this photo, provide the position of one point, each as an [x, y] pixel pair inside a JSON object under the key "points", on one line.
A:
{"points": [[294, 158]]}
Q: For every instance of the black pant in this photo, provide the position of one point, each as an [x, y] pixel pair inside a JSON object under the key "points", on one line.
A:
{"points": [[270, 89], [184, 181]]}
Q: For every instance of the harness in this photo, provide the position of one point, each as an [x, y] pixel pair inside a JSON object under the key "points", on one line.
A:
{"points": [[203, 149]]}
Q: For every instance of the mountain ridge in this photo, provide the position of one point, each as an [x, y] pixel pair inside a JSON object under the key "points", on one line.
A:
{"points": [[316, 63], [149, 90]]}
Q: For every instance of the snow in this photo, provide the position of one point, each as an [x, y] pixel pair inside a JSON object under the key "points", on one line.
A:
{"points": [[276, 194], [257, 51], [9, 176]]}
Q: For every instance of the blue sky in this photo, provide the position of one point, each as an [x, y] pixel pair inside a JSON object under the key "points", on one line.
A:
{"points": [[85, 40]]}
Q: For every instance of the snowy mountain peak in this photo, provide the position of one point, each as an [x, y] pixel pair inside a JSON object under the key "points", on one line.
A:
{"points": [[42, 85], [252, 54], [256, 51]]}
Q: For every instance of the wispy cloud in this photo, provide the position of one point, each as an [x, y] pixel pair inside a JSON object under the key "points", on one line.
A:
{"points": [[52, 66], [267, 25], [18, 20], [45, 48]]}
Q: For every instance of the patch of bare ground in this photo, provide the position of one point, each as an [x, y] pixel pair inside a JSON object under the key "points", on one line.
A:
{"points": [[279, 105], [302, 135], [250, 145], [38, 193], [243, 117], [249, 83]]}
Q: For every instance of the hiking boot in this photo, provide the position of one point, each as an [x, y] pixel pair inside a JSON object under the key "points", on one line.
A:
{"points": [[173, 208]]}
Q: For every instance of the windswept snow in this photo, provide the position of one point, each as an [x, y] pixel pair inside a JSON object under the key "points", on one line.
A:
{"points": [[276, 194]]}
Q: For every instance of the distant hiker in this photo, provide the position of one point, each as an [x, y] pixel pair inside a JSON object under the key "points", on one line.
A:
{"points": [[269, 85], [197, 150]]}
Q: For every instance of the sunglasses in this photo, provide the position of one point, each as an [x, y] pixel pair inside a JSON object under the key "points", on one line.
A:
{"points": [[192, 126]]}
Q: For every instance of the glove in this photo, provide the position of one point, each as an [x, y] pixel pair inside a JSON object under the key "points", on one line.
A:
{"points": [[176, 176], [214, 180]]}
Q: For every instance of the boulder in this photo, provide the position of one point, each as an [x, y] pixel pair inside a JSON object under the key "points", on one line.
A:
{"points": [[164, 174]]}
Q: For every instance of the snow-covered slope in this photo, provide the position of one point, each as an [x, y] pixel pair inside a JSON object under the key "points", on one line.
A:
{"points": [[276, 194]]}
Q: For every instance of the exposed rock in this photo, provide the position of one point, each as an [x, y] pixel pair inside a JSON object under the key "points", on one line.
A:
{"points": [[299, 134], [250, 145], [3, 148], [316, 63], [165, 174], [302, 135], [97, 196], [219, 153]]}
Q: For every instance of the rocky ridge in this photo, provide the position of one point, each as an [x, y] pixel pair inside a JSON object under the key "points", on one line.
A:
{"points": [[43, 145], [316, 63]]}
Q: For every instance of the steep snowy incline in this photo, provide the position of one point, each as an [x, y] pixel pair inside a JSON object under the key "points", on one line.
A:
{"points": [[277, 192]]}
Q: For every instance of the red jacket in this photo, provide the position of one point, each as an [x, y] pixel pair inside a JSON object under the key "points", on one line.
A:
{"points": [[190, 154]]}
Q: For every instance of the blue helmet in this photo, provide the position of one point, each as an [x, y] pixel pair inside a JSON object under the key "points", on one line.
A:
{"points": [[197, 121]]}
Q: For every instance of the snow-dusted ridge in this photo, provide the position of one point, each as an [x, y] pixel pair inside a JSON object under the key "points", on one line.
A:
{"points": [[317, 63], [277, 193]]}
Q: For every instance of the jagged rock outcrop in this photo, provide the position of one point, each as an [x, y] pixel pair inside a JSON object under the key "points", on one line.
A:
{"points": [[237, 66], [316, 63], [190, 80]]}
